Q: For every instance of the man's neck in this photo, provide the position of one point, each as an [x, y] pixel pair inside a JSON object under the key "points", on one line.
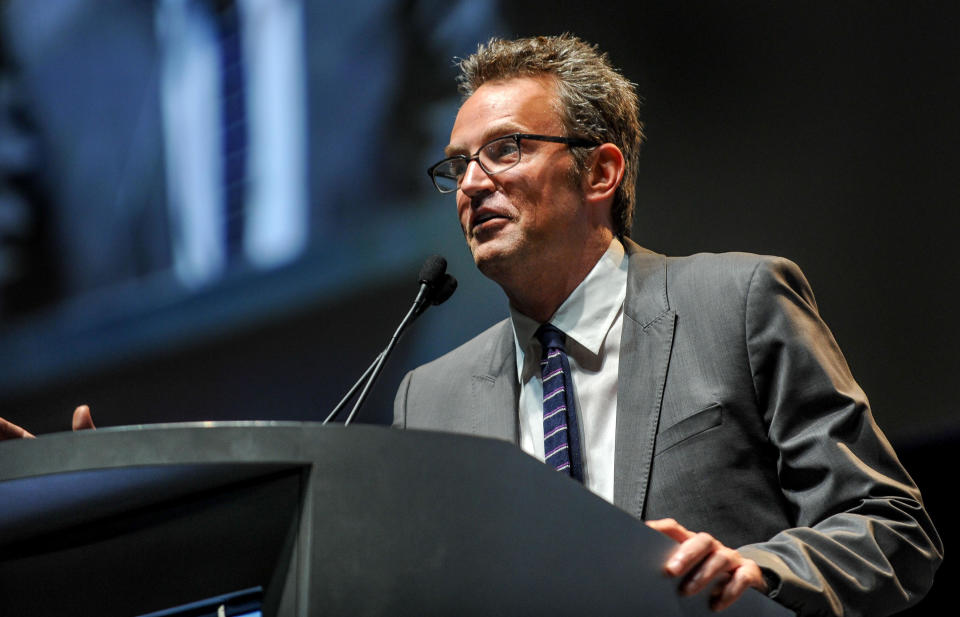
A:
{"points": [[541, 292]]}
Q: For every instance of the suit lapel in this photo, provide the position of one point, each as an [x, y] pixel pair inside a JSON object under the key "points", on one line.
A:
{"points": [[494, 391], [645, 346]]}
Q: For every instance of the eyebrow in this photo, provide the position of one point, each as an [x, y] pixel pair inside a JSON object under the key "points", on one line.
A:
{"points": [[495, 131]]}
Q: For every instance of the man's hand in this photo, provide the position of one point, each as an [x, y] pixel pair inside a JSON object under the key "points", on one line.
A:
{"points": [[9, 430], [701, 559], [81, 421]]}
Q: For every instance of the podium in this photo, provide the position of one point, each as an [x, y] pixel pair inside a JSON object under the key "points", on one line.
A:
{"points": [[328, 520]]}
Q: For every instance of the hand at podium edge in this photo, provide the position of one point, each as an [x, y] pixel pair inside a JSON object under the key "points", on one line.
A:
{"points": [[82, 420], [9, 430], [701, 560]]}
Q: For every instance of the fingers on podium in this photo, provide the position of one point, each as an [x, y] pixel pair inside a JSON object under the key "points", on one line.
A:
{"points": [[82, 420]]}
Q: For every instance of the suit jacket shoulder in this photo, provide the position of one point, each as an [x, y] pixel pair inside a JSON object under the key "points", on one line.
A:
{"points": [[729, 276]]}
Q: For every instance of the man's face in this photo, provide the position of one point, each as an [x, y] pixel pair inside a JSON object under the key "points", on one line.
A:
{"points": [[529, 216]]}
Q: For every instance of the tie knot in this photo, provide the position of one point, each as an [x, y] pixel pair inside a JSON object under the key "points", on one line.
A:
{"points": [[551, 337]]}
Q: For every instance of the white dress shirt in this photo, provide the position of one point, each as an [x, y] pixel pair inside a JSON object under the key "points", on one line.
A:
{"points": [[592, 319]]}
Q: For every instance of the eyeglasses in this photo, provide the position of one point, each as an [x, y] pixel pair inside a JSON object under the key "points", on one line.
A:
{"points": [[497, 155]]}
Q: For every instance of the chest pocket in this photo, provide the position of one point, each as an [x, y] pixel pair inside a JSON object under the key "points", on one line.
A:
{"points": [[689, 427]]}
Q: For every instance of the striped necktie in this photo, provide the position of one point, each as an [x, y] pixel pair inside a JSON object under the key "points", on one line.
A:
{"points": [[561, 434]]}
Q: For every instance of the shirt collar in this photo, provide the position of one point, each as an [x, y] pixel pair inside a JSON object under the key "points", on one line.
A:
{"points": [[588, 312]]}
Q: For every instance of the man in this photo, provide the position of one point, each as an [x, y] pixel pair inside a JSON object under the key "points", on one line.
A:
{"points": [[704, 388]]}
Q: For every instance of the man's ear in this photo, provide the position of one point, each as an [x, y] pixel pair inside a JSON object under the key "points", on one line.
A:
{"points": [[604, 174]]}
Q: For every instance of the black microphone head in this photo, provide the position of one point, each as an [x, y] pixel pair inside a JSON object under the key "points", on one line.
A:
{"points": [[446, 290], [432, 270]]}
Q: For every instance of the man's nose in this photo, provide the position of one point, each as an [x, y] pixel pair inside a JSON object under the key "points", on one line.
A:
{"points": [[474, 179]]}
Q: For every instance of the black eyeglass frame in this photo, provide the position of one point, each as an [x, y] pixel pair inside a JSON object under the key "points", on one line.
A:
{"points": [[572, 142]]}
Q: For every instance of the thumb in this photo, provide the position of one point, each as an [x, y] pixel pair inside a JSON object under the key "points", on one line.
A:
{"points": [[671, 528], [82, 419]]}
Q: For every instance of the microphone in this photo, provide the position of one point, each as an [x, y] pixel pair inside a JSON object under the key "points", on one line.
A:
{"points": [[446, 289], [433, 269], [436, 287], [432, 278]]}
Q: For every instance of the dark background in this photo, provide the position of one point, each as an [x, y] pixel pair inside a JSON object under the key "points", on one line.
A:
{"points": [[825, 132]]}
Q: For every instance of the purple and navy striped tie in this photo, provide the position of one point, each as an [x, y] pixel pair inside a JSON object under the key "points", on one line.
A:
{"points": [[561, 434]]}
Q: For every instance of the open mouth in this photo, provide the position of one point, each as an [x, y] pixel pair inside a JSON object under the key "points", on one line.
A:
{"points": [[483, 218]]}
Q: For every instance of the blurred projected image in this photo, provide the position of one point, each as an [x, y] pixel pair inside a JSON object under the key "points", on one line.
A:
{"points": [[154, 152]]}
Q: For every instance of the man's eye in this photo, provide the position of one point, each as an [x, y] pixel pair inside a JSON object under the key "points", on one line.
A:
{"points": [[454, 169], [502, 151]]}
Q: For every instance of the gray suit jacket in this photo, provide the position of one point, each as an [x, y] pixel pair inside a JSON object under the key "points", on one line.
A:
{"points": [[736, 415]]}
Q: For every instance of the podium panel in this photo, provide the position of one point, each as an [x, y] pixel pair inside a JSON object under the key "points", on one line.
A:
{"points": [[327, 520]]}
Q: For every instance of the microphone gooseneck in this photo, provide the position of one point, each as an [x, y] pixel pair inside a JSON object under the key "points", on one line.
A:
{"points": [[436, 287]]}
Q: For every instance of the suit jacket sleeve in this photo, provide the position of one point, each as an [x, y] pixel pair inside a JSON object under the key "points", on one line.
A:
{"points": [[863, 543], [400, 403]]}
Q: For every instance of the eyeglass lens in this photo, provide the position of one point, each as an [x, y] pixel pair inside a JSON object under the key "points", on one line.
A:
{"points": [[498, 155]]}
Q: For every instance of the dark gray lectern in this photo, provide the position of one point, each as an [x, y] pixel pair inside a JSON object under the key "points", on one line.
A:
{"points": [[328, 520]]}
